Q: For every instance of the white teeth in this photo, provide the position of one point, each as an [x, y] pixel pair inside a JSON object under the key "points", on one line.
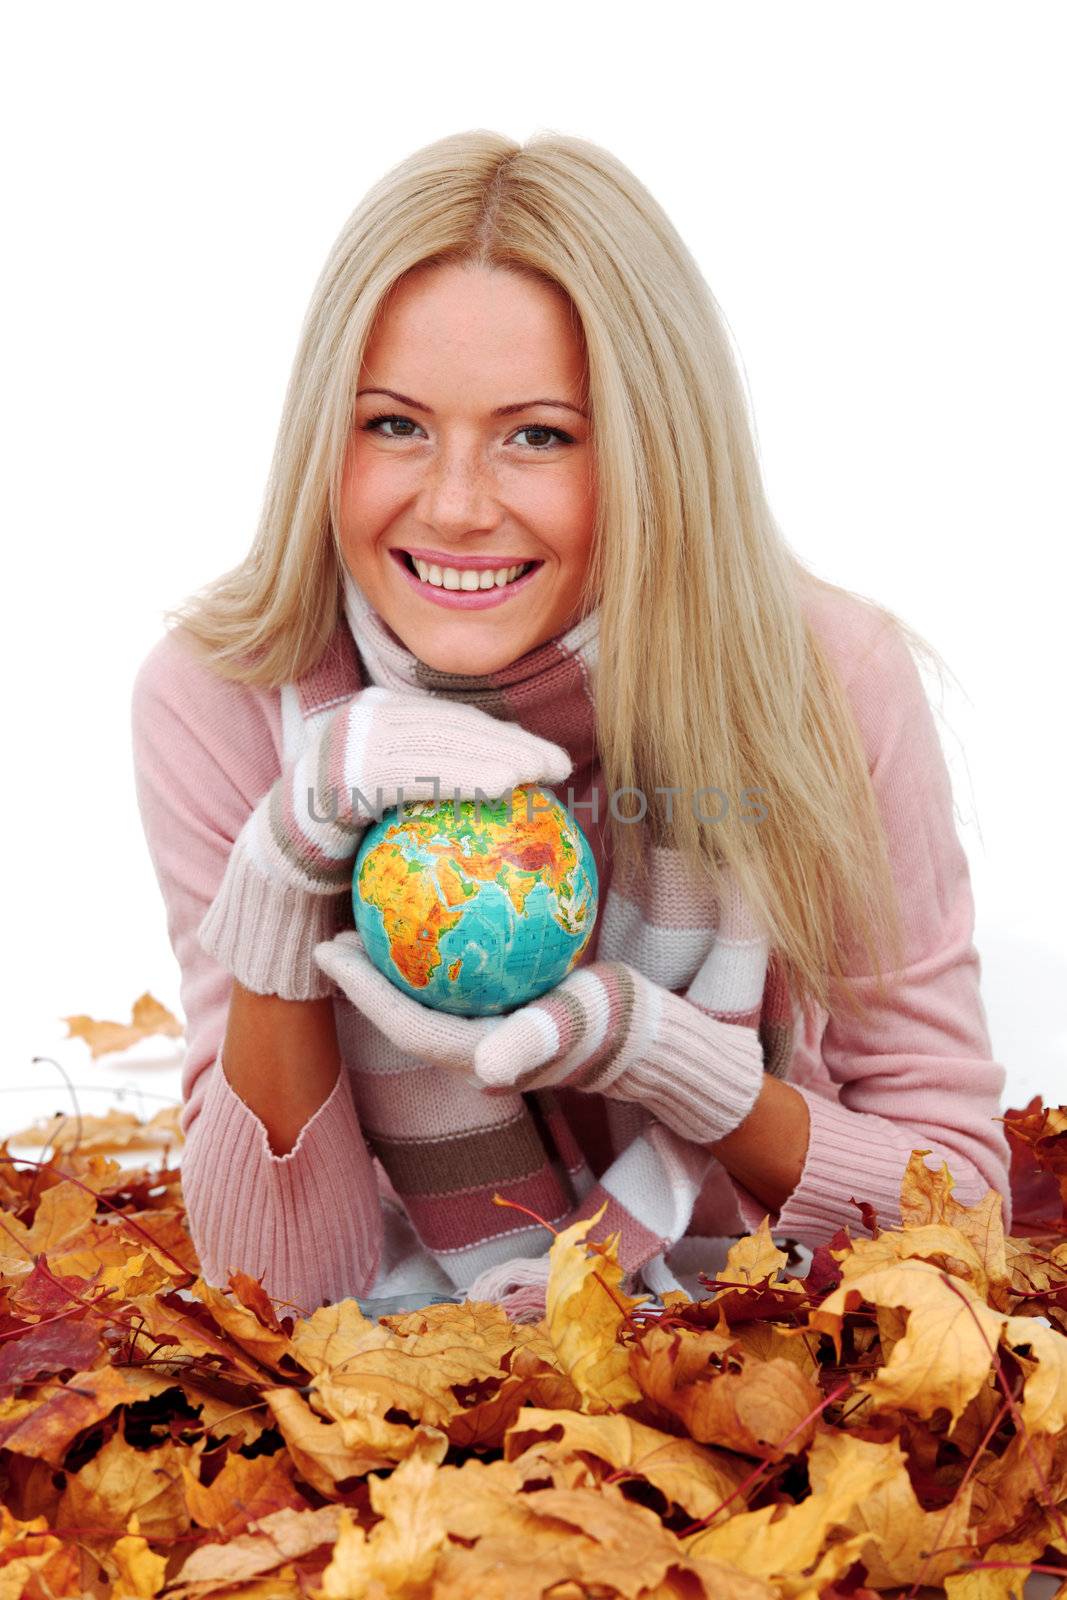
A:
{"points": [[468, 578]]}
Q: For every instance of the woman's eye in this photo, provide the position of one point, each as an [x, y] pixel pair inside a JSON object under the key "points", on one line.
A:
{"points": [[374, 425], [555, 433]]}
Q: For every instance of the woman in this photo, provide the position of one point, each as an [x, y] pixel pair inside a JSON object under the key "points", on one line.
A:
{"points": [[511, 364]]}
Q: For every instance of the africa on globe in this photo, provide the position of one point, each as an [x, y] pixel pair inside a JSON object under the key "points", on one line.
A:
{"points": [[476, 907]]}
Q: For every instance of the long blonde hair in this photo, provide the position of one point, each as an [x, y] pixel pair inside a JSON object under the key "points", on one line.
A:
{"points": [[706, 662]]}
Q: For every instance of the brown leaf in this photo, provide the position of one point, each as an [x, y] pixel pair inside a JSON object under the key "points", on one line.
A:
{"points": [[696, 1478], [270, 1541], [49, 1421], [906, 1544], [766, 1409], [116, 1130], [67, 1343], [244, 1490], [1038, 1139], [147, 1017], [118, 1480]]}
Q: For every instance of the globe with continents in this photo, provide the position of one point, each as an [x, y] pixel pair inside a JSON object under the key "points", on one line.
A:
{"points": [[476, 907]]}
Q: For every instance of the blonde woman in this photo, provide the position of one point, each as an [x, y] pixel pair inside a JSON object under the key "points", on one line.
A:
{"points": [[515, 533]]}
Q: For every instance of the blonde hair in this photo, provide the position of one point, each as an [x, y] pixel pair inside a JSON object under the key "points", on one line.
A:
{"points": [[712, 668]]}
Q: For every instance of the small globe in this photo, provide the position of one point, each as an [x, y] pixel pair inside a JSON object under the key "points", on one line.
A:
{"points": [[471, 911]]}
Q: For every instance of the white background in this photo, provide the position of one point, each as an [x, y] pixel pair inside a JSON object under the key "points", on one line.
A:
{"points": [[875, 194]]}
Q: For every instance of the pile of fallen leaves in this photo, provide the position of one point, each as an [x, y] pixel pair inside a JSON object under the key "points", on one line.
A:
{"points": [[896, 1418]]}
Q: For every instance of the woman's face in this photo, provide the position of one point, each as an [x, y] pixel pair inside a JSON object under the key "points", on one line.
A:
{"points": [[484, 461]]}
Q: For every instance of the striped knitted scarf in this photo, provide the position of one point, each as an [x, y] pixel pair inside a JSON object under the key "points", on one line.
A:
{"points": [[446, 1145]]}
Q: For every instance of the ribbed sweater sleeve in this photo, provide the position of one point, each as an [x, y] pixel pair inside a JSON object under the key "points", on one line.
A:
{"points": [[205, 751], [920, 1073]]}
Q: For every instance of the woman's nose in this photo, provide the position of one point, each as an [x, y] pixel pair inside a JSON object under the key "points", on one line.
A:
{"points": [[459, 490]]}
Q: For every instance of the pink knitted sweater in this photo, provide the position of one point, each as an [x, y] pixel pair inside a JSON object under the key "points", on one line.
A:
{"points": [[920, 1074]]}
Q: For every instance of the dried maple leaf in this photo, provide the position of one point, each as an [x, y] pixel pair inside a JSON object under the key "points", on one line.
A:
{"points": [[950, 1344], [756, 1259], [33, 1561], [118, 1480], [696, 1478], [1038, 1139], [926, 1198], [269, 1542], [242, 1491], [906, 1544], [760, 1408], [62, 1213], [328, 1452], [147, 1017], [584, 1310], [794, 1549], [139, 1572], [401, 1550], [116, 1130]]}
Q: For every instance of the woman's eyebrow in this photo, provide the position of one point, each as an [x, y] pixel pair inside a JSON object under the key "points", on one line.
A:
{"points": [[501, 411]]}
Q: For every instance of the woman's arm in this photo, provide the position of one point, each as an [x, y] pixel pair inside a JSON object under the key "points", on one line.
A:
{"points": [[766, 1152], [281, 1057], [919, 1072], [305, 1215]]}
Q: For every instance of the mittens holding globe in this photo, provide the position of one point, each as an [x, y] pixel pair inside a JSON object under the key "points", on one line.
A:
{"points": [[277, 920], [289, 874], [466, 909]]}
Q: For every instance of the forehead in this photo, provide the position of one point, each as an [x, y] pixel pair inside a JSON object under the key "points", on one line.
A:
{"points": [[483, 325]]}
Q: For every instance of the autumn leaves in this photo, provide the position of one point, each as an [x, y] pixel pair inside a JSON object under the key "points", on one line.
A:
{"points": [[896, 1418]]}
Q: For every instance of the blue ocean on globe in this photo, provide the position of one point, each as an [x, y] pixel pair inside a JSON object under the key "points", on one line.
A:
{"points": [[472, 911]]}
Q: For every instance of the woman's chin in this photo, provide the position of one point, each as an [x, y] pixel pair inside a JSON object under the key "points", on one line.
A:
{"points": [[471, 658]]}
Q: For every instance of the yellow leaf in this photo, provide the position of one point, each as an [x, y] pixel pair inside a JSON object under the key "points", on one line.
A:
{"points": [[62, 1212], [401, 1550], [324, 1339], [934, 1242], [698, 1479], [902, 1535], [766, 1409], [139, 1571], [926, 1197], [754, 1258], [118, 1480], [783, 1547], [584, 1311], [147, 1017], [326, 1452], [945, 1355]]}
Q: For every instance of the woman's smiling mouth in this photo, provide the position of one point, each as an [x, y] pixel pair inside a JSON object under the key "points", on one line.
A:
{"points": [[474, 585]]}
